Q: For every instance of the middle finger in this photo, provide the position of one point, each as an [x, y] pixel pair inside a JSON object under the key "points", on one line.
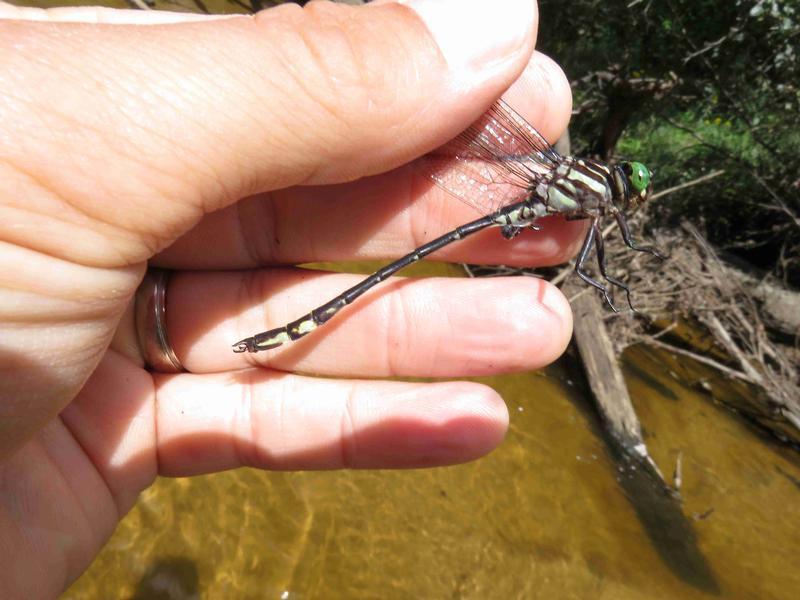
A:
{"points": [[432, 327]]}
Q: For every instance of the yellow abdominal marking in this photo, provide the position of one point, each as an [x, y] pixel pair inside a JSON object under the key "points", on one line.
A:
{"points": [[280, 338], [306, 326]]}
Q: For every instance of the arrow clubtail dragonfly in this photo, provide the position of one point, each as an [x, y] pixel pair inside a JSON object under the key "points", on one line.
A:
{"points": [[505, 168]]}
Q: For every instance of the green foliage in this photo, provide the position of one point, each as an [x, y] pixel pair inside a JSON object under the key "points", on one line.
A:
{"points": [[734, 219], [696, 86]]}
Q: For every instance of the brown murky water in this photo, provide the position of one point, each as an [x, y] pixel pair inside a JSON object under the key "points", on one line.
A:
{"points": [[548, 515]]}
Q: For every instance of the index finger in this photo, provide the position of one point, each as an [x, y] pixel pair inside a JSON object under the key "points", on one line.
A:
{"points": [[381, 217]]}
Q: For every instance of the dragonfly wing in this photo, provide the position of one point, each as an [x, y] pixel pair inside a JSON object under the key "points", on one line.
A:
{"points": [[506, 133], [474, 182], [495, 162]]}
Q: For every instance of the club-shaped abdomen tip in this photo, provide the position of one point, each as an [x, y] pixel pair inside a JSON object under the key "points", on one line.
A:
{"points": [[242, 346]]}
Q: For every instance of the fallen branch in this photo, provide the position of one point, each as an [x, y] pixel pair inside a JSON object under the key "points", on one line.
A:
{"points": [[710, 362], [607, 382]]}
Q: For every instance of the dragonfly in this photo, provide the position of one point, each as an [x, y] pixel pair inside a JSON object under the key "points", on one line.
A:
{"points": [[502, 166]]}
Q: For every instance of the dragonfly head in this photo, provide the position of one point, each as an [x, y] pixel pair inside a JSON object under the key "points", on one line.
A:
{"points": [[636, 182]]}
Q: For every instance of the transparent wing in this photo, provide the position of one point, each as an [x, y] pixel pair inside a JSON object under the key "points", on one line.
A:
{"points": [[495, 162]]}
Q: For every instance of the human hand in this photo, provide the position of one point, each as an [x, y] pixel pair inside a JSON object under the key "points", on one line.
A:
{"points": [[221, 149]]}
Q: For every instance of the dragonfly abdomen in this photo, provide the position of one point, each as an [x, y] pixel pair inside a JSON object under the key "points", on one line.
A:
{"points": [[516, 216], [506, 169]]}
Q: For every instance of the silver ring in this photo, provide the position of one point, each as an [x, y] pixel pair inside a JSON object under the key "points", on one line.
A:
{"points": [[151, 324]]}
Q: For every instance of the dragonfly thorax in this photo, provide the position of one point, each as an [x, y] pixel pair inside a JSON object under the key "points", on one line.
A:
{"points": [[577, 187]]}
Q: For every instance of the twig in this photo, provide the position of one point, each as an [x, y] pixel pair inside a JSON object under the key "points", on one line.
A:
{"points": [[683, 186], [706, 48], [701, 359], [563, 273], [677, 476], [718, 329]]}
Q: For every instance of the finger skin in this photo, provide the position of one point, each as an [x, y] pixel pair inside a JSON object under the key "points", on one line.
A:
{"points": [[188, 118], [113, 440], [433, 327], [64, 492], [383, 216], [101, 15], [115, 140], [258, 418], [189, 424]]}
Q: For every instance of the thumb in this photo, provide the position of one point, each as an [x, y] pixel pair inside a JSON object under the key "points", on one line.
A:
{"points": [[145, 128], [115, 139]]}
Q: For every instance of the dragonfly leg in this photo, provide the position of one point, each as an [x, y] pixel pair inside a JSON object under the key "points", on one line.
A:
{"points": [[626, 235], [601, 262], [583, 255], [510, 231]]}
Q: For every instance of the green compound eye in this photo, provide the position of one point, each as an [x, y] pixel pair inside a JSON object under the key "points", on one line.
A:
{"points": [[639, 177]]}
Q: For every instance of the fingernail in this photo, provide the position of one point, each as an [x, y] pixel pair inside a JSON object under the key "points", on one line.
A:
{"points": [[477, 35]]}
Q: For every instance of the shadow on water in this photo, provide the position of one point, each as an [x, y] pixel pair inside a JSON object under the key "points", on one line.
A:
{"points": [[789, 477], [670, 532], [169, 579], [650, 381]]}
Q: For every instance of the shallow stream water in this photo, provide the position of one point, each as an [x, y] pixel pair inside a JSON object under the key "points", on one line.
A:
{"points": [[549, 514]]}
